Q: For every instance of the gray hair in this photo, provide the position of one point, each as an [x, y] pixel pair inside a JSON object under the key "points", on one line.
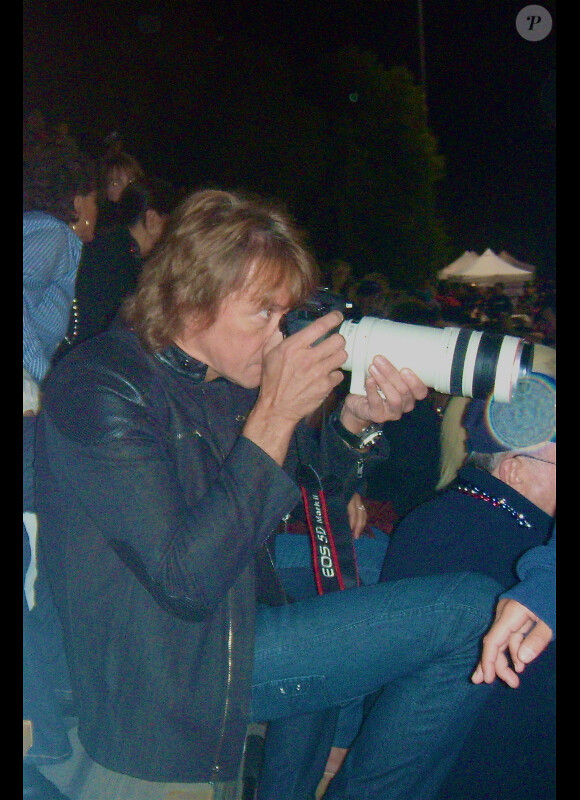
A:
{"points": [[491, 461], [486, 461]]}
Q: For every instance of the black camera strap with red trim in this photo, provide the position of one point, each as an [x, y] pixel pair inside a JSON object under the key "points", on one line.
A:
{"points": [[333, 555]]}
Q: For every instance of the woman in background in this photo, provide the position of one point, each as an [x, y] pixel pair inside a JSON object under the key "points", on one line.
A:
{"points": [[111, 264], [60, 212]]}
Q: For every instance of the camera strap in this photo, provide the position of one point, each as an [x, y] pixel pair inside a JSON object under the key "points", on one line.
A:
{"points": [[333, 555]]}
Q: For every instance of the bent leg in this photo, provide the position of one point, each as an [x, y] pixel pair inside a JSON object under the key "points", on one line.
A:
{"points": [[419, 637]]}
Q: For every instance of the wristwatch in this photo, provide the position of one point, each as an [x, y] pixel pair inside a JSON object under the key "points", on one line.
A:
{"points": [[358, 441]]}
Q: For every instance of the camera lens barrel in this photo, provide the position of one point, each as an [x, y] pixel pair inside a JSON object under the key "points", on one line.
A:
{"points": [[457, 361]]}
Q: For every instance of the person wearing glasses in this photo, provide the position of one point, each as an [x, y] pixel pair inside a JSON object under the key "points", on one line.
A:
{"points": [[495, 517], [503, 499]]}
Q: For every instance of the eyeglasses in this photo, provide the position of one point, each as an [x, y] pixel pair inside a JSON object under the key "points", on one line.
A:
{"points": [[535, 458]]}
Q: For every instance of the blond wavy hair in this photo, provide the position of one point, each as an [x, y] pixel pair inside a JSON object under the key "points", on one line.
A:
{"points": [[211, 242]]}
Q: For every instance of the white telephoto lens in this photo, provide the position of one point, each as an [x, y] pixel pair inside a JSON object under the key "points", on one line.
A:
{"points": [[426, 351], [457, 361]]}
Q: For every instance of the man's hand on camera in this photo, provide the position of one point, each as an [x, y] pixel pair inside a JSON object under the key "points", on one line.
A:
{"points": [[390, 393], [298, 374]]}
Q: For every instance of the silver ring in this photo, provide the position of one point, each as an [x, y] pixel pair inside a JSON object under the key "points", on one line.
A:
{"points": [[361, 508]]}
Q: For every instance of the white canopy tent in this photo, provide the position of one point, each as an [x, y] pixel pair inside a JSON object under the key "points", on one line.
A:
{"points": [[487, 269], [468, 257], [516, 262]]}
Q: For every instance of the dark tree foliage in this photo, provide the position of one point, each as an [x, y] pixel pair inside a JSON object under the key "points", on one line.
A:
{"points": [[206, 99], [383, 169], [346, 145]]}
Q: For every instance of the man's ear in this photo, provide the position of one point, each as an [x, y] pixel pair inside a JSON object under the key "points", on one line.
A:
{"points": [[509, 471]]}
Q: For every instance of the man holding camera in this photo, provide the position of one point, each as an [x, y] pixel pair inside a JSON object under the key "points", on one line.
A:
{"points": [[167, 455]]}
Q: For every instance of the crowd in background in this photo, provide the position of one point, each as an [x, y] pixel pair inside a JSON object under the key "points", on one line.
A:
{"points": [[527, 310], [133, 211]]}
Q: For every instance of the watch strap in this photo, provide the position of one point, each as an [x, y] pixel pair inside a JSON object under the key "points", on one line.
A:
{"points": [[357, 441]]}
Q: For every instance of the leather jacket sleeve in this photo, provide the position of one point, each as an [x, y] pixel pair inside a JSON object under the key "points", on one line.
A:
{"points": [[186, 525]]}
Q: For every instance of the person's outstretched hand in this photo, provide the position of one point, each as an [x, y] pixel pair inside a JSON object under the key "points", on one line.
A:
{"points": [[518, 631], [390, 393]]}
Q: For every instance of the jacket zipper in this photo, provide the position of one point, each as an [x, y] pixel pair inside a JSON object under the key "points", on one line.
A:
{"points": [[216, 769], [226, 707]]}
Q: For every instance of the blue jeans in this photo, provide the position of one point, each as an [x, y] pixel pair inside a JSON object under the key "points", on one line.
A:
{"points": [[294, 567], [409, 646], [294, 561], [46, 681]]}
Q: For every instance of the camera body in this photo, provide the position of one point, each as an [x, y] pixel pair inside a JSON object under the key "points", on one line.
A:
{"points": [[452, 360]]}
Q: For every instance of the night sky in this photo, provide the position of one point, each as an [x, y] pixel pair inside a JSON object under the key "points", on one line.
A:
{"points": [[490, 93]]}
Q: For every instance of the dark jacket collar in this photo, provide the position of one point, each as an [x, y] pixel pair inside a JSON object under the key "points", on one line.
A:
{"points": [[178, 360]]}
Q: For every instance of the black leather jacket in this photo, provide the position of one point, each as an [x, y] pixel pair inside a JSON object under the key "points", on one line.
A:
{"points": [[153, 509]]}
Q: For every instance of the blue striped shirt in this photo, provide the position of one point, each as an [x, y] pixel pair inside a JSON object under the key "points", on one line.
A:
{"points": [[51, 255]]}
